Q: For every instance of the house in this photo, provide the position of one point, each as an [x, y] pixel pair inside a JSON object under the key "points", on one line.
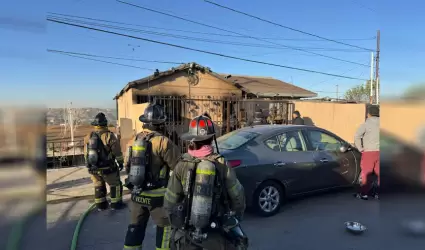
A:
{"points": [[191, 89]]}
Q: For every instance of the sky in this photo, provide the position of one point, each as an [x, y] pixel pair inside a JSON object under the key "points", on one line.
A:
{"points": [[30, 75]]}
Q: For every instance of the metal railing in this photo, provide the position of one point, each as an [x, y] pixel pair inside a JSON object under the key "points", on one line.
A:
{"points": [[65, 154]]}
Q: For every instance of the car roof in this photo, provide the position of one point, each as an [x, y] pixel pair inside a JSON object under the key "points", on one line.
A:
{"points": [[269, 129]]}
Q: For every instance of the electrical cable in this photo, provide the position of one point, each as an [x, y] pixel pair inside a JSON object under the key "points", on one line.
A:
{"points": [[208, 33], [286, 27], [198, 38], [202, 51], [131, 66], [210, 26], [110, 57]]}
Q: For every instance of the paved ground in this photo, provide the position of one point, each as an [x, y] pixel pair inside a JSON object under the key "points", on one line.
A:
{"points": [[313, 223], [66, 184]]}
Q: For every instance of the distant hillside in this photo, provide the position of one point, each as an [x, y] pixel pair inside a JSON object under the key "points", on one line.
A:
{"points": [[55, 116]]}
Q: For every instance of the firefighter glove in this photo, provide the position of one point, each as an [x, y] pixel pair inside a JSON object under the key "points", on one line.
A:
{"points": [[92, 169], [120, 166]]}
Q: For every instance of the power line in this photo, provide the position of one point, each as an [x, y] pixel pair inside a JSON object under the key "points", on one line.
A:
{"points": [[210, 26], [125, 65], [196, 38], [286, 27], [110, 57], [203, 51], [208, 33]]}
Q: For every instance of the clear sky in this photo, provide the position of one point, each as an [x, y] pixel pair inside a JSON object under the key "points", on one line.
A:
{"points": [[29, 74]]}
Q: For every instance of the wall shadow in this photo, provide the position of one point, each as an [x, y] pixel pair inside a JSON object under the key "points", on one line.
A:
{"points": [[308, 121]]}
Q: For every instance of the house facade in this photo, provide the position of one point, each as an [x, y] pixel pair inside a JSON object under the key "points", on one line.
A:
{"points": [[191, 89]]}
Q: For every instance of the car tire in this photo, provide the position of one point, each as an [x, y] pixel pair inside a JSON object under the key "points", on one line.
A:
{"points": [[268, 190]]}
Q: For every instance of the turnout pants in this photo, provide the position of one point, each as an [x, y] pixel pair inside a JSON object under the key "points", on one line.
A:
{"points": [[139, 217], [369, 165], [115, 185], [215, 241]]}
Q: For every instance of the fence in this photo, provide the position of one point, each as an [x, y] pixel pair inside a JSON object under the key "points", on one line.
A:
{"points": [[65, 153], [227, 113]]}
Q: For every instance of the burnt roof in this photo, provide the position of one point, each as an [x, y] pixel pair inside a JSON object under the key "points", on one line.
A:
{"points": [[268, 86], [260, 86]]}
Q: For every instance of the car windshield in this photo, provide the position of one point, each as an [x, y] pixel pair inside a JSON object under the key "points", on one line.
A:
{"points": [[235, 139]]}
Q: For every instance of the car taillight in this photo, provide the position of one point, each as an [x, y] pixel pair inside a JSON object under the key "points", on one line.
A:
{"points": [[234, 163]]}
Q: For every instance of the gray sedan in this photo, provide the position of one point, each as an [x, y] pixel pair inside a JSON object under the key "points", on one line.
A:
{"points": [[277, 162]]}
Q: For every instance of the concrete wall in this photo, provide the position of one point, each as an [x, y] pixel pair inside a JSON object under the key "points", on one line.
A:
{"points": [[403, 119], [342, 119]]}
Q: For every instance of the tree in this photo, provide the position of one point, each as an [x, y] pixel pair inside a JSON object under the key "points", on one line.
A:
{"points": [[359, 93]]}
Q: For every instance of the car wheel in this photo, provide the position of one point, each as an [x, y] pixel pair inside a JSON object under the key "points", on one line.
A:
{"points": [[268, 198]]}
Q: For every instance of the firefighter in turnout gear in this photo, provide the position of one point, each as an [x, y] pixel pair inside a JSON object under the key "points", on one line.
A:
{"points": [[150, 159], [204, 198], [104, 160]]}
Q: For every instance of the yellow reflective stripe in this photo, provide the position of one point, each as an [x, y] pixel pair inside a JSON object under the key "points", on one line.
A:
{"points": [[99, 200], [119, 158], [235, 188], [133, 247], [165, 238], [115, 200], [154, 193], [205, 172], [162, 172], [170, 196], [160, 248], [138, 148]]}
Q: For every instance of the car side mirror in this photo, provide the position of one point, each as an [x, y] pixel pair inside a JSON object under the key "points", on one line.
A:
{"points": [[344, 148]]}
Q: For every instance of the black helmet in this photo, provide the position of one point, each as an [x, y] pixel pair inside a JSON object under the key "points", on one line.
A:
{"points": [[154, 113], [100, 120], [201, 128]]}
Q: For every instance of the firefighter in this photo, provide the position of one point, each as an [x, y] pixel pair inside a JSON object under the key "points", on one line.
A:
{"points": [[158, 159], [204, 198], [104, 160]]}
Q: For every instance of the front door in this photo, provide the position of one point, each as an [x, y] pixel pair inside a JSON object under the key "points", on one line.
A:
{"points": [[291, 161], [334, 167]]}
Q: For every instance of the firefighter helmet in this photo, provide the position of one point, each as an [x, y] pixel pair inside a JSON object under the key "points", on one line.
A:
{"points": [[154, 114], [201, 128], [100, 120]]}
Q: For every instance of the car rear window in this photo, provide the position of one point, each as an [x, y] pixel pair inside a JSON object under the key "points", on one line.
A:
{"points": [[235, 139]]}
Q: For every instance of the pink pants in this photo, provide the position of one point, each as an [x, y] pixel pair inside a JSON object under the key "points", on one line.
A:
{"points": [[369, 165]]}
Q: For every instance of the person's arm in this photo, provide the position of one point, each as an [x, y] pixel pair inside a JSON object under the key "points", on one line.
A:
{"points": [[169, 152], [116, 151], [86, 140], [127, 155], [174, 192], [358, 137], [235, 191]]}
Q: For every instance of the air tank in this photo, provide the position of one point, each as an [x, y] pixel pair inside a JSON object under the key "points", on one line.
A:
{"points": [[92, 154], [203, 194], [138, 163]]}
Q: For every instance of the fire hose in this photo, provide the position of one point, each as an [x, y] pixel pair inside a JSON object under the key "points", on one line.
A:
{"points": [[74, 241]]}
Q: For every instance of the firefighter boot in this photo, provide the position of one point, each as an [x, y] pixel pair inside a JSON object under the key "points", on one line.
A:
{"points": [[116, 197], [100, 198]]}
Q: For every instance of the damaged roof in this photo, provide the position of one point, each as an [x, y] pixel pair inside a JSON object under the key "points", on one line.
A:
{"points": [[260, 86], [268, 86]]}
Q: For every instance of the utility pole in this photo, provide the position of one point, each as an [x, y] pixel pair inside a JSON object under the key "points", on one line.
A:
{"points": [[378, 41], [337, 93], [371, 79]]}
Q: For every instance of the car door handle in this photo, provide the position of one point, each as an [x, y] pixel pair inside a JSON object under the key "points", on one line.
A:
{"points": [[280, 164], [324, 160]]}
